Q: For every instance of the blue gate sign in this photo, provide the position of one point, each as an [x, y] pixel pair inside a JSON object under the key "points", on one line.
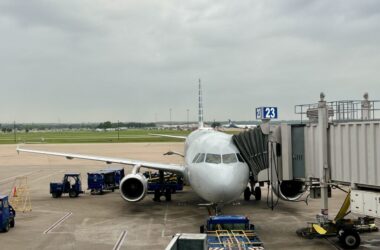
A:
{"points": [[259, 113], [266, 113]]}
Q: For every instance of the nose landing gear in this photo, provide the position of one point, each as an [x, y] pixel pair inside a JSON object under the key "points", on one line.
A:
{"points": [[252, 190]]}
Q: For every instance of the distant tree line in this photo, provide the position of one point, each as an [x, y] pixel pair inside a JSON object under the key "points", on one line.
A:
{"points": [[108, 124], [9, 127]]}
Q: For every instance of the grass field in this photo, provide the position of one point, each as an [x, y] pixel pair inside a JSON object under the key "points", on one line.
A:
{"points": [[132, 135]]}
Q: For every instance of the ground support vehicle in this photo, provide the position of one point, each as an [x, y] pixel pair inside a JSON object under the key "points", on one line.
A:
{"points": [[231, 232], [106, 179], [7, 214], [70, 184], [162, 183], [119, 175], [347, 230]]}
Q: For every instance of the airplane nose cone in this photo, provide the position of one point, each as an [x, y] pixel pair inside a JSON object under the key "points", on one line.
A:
{"points": [[233, 183], [221, 183]]}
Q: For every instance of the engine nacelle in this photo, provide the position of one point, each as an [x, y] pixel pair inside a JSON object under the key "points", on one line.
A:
{"points": [[133, 187], [290, 190]]}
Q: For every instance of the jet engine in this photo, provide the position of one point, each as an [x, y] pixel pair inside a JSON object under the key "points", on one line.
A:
{"points": [[291, 190], [133, 187]]}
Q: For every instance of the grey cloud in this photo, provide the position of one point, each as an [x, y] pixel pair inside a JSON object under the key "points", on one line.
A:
{"points": [[67, 16], [133, 60]]}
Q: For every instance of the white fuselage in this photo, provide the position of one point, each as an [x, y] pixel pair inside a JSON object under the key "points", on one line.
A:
{"points": [[218, 176]]}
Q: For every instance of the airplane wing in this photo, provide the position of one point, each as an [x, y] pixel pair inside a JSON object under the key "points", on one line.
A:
{"points": [[171, 136], [152, 165]]}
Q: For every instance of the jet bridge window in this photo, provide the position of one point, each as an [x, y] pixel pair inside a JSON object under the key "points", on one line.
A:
{"points": [[213, 158], [229, 158]]}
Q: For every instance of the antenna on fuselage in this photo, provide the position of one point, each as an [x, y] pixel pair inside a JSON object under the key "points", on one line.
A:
{"points": [[200, 107]]}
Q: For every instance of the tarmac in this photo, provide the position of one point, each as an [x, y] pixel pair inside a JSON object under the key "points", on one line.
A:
{"points": [[108, 222]]}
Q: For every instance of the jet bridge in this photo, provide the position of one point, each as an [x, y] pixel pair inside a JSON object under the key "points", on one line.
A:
{"points": [[353, 142], [261, 150], [253, 146], [335, 142], [342, 146]]}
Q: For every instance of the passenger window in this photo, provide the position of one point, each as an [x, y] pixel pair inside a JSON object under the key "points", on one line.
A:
{"points": [[196, 157], [201, 158], [213, 158], [229, 158], [240, 158]]}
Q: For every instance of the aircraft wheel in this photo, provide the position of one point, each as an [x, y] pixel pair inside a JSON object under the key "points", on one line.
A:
{"points": [[72, 194], [12, 222], [7, 226], [258, 193], [247, 194], [350, 239], [54, 195]]}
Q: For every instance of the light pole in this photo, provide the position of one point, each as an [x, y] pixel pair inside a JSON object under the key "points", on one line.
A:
{"points": [[170, 117], [187, 110], [118, 130], [14, 130]]}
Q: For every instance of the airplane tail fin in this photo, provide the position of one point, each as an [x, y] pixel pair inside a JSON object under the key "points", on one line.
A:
{"points": [[200, 107]]}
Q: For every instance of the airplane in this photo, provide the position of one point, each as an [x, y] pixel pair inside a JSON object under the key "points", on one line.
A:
{"points": [[231, 124], [213, 166]]}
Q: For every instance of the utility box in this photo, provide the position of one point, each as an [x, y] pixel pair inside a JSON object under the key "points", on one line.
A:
{"points": [[357, 202], [371, 204], [365, 202], [188, 242], [192, 242]]}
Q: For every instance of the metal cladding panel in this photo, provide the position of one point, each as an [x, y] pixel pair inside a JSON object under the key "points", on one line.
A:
{"points": [[354, 149]]}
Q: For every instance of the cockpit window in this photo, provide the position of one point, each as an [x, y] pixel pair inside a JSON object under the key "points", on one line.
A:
{"points": [[201, 158], [240, 158], [213, 158], [196, 157], [229, 158]]}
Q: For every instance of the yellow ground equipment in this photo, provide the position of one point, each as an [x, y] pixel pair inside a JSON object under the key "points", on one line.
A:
{"points": [[347, 230], [20, 196]]}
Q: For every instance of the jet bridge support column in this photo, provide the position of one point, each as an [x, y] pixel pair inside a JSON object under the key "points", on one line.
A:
{"points": [[322, 150]]}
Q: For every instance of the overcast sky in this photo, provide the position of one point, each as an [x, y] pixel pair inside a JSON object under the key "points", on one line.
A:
{"points": [[91, 61]]}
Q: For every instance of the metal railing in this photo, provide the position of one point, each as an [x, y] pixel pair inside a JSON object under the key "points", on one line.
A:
{"points": [[341, 111]]}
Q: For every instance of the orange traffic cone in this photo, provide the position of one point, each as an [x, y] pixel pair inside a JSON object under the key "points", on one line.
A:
{"points": [[14, 192]]}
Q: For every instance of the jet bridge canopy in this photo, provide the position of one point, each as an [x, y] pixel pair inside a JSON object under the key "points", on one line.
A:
{"points": [[253, 146]]}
